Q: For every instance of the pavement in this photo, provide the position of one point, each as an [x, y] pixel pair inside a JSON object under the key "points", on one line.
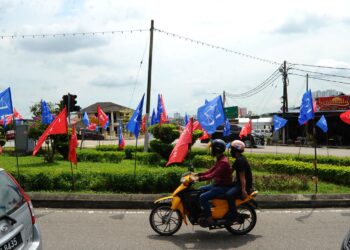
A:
{"points": [[146, 201]]}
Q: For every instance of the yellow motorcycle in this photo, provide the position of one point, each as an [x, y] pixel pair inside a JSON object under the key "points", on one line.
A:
{"points": [[169, 212]]}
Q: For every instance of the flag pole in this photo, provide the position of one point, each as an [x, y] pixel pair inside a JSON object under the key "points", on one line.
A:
{"points": [[327, 143], [315, 178], [135, 163], [71, 167]]}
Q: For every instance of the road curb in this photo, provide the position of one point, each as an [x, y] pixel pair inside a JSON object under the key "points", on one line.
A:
{"points": [[145, 201]]}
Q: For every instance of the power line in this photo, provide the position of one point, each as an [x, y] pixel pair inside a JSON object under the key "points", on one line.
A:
{"points": [[318, 66], [68, 34], [320, 73], [217, 47], [322, 79], [258, 88]]}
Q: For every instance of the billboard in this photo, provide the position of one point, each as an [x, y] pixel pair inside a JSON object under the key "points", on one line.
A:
{"points": [[333, 103], [231, 112]]}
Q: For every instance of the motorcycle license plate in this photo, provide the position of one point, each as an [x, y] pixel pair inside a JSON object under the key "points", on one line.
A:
{"points": [[13, 243]]}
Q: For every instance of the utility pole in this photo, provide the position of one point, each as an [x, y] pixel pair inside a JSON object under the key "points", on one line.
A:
{"points": [[307, 82], [149, 80], [285, 98], [223, 98]]}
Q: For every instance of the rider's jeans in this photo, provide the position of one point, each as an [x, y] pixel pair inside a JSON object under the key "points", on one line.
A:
{"points": [[233, 193], [212, 191]]}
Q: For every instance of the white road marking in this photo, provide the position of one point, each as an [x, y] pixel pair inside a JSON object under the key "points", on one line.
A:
{"points": [[264, 211]]}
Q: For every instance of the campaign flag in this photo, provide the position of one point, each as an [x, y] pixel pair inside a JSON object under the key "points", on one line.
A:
{"points": [[6, 102], [46, 116], [159, 109], [186, 119], [345, 117], [102, 117], [278, 122], [4, 121], [86, 120], [17, 115], [322, 124], [163, 116], [306, 108], [143, 125], [135, 122], [106, 124], [72, 155], [181, 148], [57, 126], [121, 141], [211, 115], [153, 118], [92, 127], [227, 128], [246, 130], [197, 126]]}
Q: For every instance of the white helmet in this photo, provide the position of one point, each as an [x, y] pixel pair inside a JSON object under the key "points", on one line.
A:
{"points": [[237, 146]]}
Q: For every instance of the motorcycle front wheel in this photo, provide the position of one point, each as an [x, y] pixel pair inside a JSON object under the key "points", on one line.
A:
{"points": [[247, 220], [164, 220]]}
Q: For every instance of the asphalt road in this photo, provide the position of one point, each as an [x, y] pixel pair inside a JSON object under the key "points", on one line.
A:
{"points": [[262, 149], [129, 229]]}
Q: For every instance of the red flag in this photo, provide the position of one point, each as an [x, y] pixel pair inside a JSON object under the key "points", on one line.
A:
{"points": [[143, 125], [72, 156], [345, 117], [163, 115], [58, 126], [197, 126], [17, 115], [181, 148], [246, 130], [92, 126], [102, 117]]}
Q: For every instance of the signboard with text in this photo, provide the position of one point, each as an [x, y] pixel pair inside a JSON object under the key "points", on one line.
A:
{"points": [[333, 103], [231, 112]]}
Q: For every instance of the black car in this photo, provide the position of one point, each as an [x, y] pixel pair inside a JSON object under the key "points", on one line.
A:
{"points": [[89, 135], [252, 140]]}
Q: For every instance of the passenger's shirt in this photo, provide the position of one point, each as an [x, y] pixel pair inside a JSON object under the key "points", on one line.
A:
{"points": [[241, 165]]}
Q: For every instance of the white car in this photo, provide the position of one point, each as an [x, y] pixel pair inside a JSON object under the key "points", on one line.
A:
{"points": [[18, 227]]}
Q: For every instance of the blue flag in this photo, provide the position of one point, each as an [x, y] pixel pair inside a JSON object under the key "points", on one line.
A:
{"points": [[153, 118], [86, 120], [227, 128], [6, 102], [186, 119], [306, 108], [159, 109], [322, 124], [46, 116], [136, 120], [278, 122], [106, 124], [211, 115]]}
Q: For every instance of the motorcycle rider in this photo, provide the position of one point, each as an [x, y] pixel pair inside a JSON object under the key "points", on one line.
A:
{"points": [[221, 173], [243, 183]]}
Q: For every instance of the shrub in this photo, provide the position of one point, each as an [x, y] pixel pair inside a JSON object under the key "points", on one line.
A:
{"points": [[284, 183], [150, 158], [108, 148], [96, 156], [130, 150], [162, 148], [203, 161], [166, 133]]}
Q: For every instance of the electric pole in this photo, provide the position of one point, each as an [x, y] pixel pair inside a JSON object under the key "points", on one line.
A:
{"points": [[285, 98], [223, 98], [149, 80]]}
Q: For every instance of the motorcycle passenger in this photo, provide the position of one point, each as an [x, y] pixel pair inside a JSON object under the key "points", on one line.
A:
{"points": [[243, 183], [221, 173]]}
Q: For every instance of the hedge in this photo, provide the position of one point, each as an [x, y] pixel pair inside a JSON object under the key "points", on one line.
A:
{"points": [[335, 174], [100, 156]]}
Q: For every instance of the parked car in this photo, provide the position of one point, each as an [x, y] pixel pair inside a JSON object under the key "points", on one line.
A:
{"points": [[252, 140], [346, 242], [18, 227], [90, 135]]}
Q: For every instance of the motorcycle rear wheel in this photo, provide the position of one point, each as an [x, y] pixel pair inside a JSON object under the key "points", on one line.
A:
{"points": [[248, 212], [158, 216]]}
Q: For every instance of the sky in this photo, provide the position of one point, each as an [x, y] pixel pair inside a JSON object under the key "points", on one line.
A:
{"points": [[113, 67]]}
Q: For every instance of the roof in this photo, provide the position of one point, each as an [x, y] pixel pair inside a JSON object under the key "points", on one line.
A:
{"points": [[105, 106]]}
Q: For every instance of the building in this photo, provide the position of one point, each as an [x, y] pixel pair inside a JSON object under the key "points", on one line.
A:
{"points": [[114, 111]]}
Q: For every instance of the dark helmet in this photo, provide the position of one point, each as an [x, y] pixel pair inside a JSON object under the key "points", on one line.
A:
{"points": [[218, 146]]}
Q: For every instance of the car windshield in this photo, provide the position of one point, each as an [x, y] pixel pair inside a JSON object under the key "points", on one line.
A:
{"points": [[10, 196]]}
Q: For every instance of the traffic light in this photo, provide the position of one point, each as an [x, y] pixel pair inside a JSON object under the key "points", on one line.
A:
{"points": [[70, 102], [73, 103]]}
